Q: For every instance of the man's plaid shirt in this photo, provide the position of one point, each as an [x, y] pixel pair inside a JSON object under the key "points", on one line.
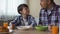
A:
{"points": [[50, 16]]}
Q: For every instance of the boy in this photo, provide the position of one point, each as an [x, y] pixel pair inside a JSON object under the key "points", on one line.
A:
{"points": [[25, 19]]}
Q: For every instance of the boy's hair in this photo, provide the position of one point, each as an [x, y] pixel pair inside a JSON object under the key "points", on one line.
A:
{"points": [[21, 6]]}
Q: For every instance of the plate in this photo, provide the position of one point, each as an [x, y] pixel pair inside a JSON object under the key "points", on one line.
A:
{"points": [[23, 27]]}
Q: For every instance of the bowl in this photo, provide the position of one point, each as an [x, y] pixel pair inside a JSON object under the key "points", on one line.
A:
{"points": [[41, 28]]}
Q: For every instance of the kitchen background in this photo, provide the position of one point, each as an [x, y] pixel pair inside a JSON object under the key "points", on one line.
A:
{"points": [[8, 9]]}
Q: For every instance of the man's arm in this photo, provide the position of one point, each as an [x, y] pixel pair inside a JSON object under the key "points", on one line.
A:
{"points": [[40, 23], [59, 16]]}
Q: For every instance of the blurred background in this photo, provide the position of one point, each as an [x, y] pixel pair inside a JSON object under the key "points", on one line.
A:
{"points": [[8, 8]]}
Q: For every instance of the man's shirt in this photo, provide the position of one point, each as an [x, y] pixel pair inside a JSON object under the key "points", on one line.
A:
{"points": [[50, 16]]}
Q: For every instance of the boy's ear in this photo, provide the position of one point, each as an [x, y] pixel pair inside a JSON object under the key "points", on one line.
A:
{"points": [[20, 12]]}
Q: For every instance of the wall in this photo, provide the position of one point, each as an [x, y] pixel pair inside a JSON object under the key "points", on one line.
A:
{"points": [[35, 7]]}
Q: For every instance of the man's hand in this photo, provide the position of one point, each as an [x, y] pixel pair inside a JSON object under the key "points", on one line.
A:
{"points": [[49, 27]]}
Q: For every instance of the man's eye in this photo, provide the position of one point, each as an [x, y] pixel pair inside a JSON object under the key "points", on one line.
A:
{"points": [[25, 9], [42, 0]]}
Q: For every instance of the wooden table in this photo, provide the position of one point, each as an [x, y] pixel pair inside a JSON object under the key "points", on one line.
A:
{"points": [[27, 32], [30, 32]]}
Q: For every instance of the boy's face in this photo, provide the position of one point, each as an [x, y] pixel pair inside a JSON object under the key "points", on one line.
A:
{"points": [[25, 11]]}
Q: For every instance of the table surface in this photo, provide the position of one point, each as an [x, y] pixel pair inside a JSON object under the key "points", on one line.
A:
{"points": [[28, 32]]}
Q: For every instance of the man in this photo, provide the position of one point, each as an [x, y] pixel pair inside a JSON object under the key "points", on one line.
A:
{"points": [[50, 13]]}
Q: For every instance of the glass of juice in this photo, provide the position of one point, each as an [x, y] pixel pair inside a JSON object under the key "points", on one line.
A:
{"points": [[55, 30], [5, 24]]}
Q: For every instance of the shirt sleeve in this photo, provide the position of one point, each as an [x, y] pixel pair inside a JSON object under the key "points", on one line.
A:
{"points": [[33, 22], [15, 21], [40, 22], [59, 16]]}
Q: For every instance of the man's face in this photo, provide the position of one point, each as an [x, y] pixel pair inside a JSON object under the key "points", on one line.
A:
{"points": [[43, 3]]}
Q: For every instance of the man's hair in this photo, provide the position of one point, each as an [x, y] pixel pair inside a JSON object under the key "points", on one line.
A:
{"points": [[52, 1], [21, 6]]}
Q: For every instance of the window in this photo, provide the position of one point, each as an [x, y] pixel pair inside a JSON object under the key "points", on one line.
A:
{"points": [[9, 7]]}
